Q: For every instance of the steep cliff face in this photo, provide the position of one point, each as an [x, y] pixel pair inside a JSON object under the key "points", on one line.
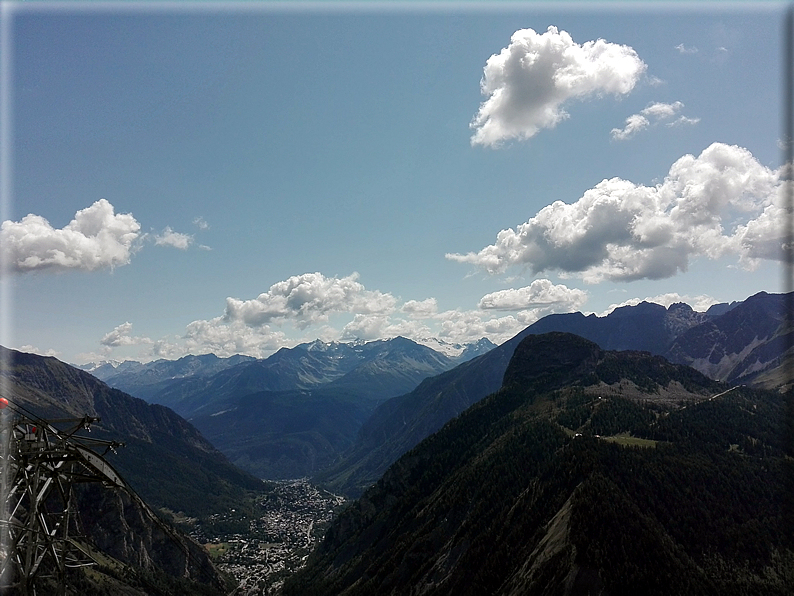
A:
{"points": [[121, 526]]}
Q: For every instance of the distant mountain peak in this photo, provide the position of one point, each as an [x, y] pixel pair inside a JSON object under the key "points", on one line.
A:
{"points": [[89, 366], [682, 306], [638, 309], [458, 351]]}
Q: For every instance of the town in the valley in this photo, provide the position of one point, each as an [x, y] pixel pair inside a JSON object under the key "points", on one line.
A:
{"points": [[259, 553]]}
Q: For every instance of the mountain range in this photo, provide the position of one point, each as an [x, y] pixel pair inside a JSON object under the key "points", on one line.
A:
{"points": [[147, 380], [195, 383], [294, 433], [343, 412], [747, 340], [296, 412], [587, 472], [549, 464]]}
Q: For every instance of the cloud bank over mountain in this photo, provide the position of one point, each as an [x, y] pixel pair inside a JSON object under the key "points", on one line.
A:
{"points": [[722, 202], [120, 336], [529, 82], [541, 293], [334, 308]]}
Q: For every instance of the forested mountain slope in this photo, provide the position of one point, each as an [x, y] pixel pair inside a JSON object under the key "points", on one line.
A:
{"points": [[588, 472]]}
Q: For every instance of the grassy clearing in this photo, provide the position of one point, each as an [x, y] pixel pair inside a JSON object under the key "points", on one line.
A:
{"points": [[626, 439], [217, 550]]}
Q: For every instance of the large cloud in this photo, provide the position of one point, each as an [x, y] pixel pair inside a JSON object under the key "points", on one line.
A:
{"points": [[96, 238], [371, 327], [225, 338], [308, 299], [529, 82], [420, 309], [722, 202], [458, 326]]}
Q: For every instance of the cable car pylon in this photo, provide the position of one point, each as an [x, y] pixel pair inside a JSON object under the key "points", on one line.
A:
{"points": [[40, 462]]}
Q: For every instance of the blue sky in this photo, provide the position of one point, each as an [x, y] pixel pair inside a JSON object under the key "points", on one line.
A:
{"points": [[240, 178]]}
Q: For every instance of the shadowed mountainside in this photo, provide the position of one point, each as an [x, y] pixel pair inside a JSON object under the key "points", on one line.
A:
{"points": [[588, 472], [741, 344], [289, 434]]}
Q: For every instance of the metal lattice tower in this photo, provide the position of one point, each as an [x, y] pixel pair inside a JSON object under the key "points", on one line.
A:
{"points": [[40, 465]]}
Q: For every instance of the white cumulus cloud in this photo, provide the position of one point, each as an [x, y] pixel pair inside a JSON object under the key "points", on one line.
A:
{"points": [[420, 309], [634, 124], [540, 294], [529, 304], [528, 83], [371, 327], [96, 238], [307, 299], [660, 110], [458, 326], [29, 349], [169, 237], [722, 202], [227, 338], [121, 336]]}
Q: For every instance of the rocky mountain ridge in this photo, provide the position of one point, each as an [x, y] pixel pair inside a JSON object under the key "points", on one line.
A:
{"points": [[740, 344], [192, 384]]}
